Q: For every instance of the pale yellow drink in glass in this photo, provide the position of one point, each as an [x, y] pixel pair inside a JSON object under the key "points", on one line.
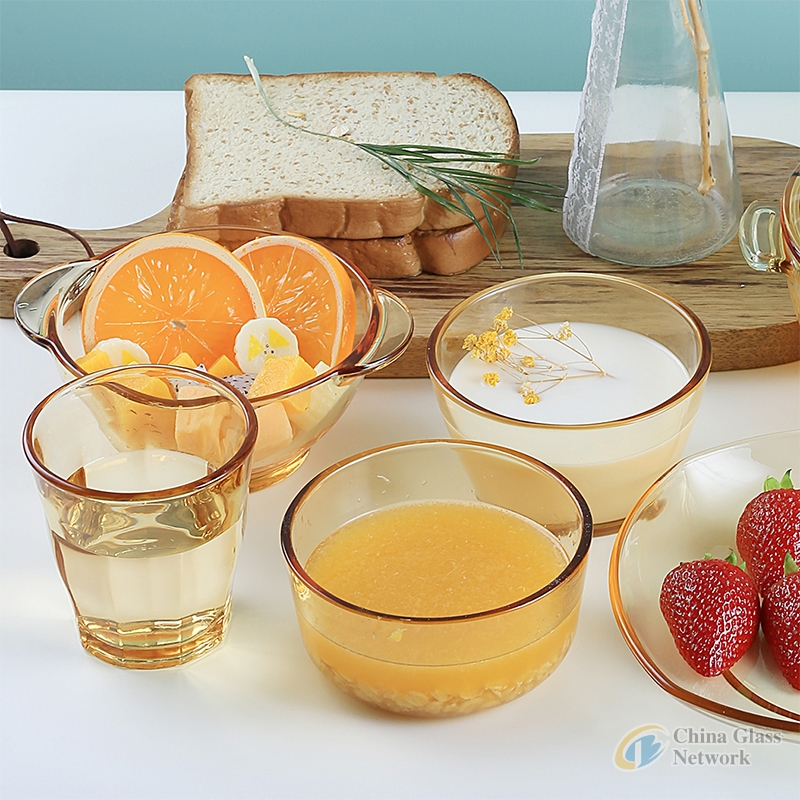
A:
{"points": [[439, 559], [138, 578], [143, 474]]}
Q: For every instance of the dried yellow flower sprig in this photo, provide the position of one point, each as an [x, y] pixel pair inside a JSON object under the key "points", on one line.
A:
{"points": [[535, 372]]}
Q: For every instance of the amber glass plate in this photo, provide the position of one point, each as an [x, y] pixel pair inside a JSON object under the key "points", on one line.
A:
{"points": [[692, 510]]}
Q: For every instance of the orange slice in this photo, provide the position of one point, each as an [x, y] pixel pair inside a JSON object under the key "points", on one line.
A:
{"points": [[172, 293], [306, 287]]}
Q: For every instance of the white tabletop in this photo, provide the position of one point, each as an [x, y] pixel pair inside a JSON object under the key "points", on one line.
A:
{"points": [[255, 718]]}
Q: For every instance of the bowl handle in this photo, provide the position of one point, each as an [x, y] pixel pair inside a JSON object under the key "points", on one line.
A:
{"points": [[35, 305], [392, 340]]}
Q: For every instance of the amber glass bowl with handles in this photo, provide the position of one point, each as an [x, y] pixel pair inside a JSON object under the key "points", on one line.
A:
{"points": [[47, 311]]}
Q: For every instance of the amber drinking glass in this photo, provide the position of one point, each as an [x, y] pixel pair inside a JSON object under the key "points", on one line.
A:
{"points": [[143, 474]]}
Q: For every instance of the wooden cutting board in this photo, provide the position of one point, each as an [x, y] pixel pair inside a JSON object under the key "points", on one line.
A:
{"points": [[749, 315]]}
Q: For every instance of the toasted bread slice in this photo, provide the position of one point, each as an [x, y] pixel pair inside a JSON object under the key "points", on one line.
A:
{"points": [[245, 167], [441, 252]]}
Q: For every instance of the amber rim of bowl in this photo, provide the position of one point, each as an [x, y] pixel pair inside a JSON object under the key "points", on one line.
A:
{"points": [[572, 566], [233, 463], [344, 367], [629, 633], [700, 373]]}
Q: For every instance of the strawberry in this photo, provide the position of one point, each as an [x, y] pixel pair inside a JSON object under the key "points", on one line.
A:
{"points": [[780, 620], [768, 529], [711, 609]]}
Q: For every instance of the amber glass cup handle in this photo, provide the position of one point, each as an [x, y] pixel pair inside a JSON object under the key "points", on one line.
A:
{"points": [[760, 237]]}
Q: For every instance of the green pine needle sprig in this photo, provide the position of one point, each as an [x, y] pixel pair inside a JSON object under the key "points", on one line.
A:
{"points": [[424, 166]]}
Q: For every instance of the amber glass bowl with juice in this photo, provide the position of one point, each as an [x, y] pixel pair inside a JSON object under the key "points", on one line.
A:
{"points": [[437, 578]]}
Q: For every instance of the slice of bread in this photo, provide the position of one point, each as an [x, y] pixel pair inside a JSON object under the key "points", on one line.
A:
{"points": [[244, 167], [441, 252], [447, 252]]}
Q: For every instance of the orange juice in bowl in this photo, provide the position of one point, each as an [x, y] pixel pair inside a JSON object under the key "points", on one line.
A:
{"points": [[437, 577]]}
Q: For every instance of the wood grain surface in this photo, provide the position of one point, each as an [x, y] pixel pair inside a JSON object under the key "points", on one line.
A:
{"points": [[749, 315]]}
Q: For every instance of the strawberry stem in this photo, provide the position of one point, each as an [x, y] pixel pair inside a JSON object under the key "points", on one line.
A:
{"points": [[731, 558], [784, 483], [789, 565]]}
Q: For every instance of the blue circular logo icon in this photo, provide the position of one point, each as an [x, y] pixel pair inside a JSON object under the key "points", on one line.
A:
{"points": [[641, 747]]}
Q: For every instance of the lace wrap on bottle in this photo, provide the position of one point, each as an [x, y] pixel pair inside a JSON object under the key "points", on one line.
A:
{"points": [[586, 162]]}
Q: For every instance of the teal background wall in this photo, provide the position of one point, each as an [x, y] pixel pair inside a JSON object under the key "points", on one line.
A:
{"points": [[534, 45]]}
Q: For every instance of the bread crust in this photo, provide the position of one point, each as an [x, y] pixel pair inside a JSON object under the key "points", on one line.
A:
{"points": [[389, 257], [307, 217], [440, 252], [331, 218], [456, 250], [447, 252]]}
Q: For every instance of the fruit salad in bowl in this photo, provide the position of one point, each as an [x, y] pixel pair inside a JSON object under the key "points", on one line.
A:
{"points": [[279, 317], [711, 629]]}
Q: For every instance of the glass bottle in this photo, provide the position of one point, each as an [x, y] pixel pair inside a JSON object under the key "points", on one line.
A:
{"points": [[652, 178]]}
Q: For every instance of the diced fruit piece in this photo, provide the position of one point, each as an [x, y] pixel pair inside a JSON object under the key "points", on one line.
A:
{"points": [[240, 382], [274, 430], [322, 399], [183, 360], [282, 373], [131, 424], [94, 361], [711, 609], [209, 432], [112, 353], [223, 367], [768, 529], [306, 287], [261, 339], [780, 619], [171, 293]]}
